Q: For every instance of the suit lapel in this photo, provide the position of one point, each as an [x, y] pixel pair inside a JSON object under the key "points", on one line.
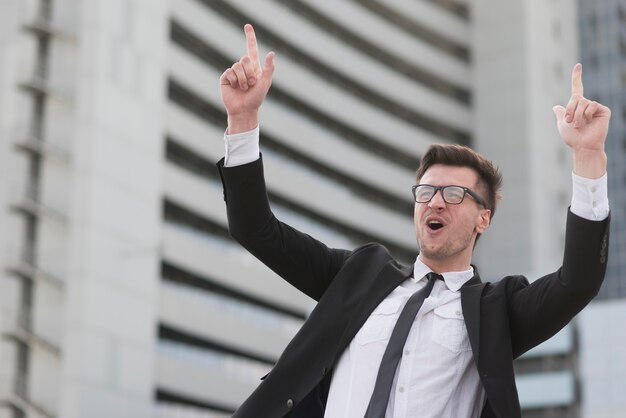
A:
{"points": [[471, 293], [389, 277]]}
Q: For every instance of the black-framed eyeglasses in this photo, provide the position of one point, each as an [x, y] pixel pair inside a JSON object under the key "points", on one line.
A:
{"points": [[453, 195]]}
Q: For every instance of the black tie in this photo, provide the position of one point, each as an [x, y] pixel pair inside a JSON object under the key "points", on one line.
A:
{"points": [[388, 365]]}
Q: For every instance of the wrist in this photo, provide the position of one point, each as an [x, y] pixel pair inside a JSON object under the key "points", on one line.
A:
{"points": [[590, 164], [242, 122]]}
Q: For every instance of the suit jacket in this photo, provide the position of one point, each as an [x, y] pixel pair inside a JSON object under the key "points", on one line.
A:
{"points": [[503, 319]]}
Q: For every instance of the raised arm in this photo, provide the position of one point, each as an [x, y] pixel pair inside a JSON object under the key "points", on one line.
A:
{"points": [[583, 126], [303, 261], [245, 85], [539, 310]]}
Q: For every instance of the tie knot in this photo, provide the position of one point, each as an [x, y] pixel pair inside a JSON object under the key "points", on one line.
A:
{"points": [[434, 276]]}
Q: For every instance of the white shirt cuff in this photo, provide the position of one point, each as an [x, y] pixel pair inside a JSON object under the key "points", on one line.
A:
{"points": [[590, 198], [241, 148]]}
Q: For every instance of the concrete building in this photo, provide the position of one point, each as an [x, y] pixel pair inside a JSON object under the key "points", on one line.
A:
{"points": [[602, 361], [83, 91], [121, 292], [603, 364]]}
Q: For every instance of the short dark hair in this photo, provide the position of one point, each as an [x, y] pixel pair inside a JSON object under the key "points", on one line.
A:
{"points": [[489, 176]]}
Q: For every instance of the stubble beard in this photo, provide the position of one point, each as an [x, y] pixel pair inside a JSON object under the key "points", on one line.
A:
{"points": [[452, 247]]}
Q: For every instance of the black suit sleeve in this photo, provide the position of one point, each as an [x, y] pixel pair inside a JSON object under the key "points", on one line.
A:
{"points": [[303, 261], [539, 310]]}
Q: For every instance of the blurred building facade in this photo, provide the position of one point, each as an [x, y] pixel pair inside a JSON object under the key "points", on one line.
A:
{"points": [[603, 364], [122, 293]]}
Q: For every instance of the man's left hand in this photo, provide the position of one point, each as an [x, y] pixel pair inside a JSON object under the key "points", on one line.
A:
{"points": [[583, 126]]}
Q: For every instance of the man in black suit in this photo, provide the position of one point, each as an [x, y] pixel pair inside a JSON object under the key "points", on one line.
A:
{"points": [[454, 358]]}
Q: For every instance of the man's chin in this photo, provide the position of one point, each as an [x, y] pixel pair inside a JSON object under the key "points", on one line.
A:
{"points": [[433, 252]]}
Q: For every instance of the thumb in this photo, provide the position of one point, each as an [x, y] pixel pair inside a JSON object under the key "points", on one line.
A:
{"points": [[559, 112], [268, 67]]}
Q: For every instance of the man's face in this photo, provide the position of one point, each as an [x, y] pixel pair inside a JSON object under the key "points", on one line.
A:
{"points": [[445, 232]]}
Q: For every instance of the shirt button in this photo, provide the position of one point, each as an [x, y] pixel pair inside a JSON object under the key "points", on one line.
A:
{"points": [[401, 390], [407, 352], [458, 313], [594, 203], [593, 189], [290, 403]]}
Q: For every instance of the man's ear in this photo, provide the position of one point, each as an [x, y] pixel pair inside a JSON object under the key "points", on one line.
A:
{"points": [[484, 221]]}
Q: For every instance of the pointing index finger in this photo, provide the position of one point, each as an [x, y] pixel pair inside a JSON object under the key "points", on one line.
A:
{"points": [[577, 80], [253, 51]]}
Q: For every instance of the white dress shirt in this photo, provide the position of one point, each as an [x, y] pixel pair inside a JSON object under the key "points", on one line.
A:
{"points": [[436, 377]]}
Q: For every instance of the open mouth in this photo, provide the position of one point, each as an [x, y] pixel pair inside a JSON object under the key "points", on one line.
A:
{"points": [[434, 225]]}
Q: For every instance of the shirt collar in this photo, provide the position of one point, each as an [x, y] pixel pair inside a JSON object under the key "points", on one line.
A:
{"points": [[454, 279]]}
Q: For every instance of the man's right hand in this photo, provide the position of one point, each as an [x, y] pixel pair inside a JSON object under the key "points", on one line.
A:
{"points": [[245, 85]]}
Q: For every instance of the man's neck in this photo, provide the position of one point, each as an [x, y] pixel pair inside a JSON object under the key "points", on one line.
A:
{"points": [[445, 266]]}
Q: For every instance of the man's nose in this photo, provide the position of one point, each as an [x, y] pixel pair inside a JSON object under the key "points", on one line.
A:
{"points": [[437, 201]]}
